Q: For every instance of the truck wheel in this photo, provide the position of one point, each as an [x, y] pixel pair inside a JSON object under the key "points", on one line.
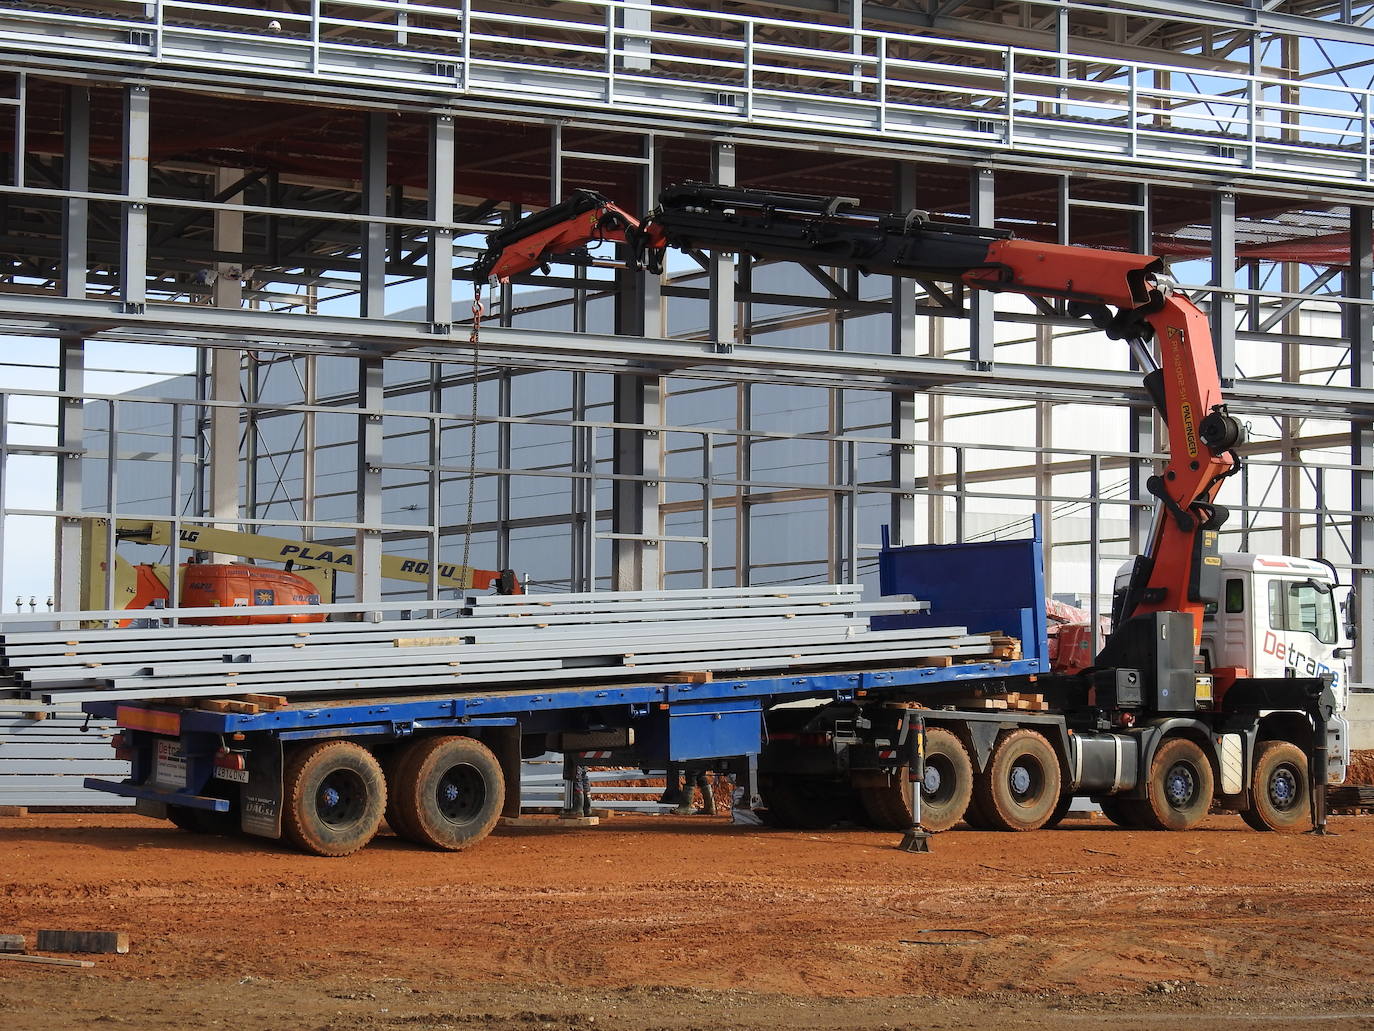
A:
{"points": [[391, 768], [973, 815], [1280, 795], [944, 795], [1020, 788], [333, 797], [1179, 792], [449, 792]]}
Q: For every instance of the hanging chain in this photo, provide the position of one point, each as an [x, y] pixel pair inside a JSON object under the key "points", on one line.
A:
{"points": [[473, 338]]}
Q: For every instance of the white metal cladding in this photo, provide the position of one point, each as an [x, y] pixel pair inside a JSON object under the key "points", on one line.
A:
{"points": [[733, 70], [45, 762]]}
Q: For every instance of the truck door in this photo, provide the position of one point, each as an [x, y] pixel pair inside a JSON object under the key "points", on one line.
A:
{"points": [[1297, 629], [1228, 626]]}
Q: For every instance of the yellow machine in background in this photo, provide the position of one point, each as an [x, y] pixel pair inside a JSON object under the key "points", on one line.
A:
{"points": [[142, 586]]}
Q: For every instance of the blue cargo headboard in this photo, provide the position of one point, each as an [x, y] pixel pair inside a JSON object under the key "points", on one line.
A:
{"points": [[990, 586]]}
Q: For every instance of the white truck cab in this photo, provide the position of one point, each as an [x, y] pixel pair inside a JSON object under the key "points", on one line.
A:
{"points": [[1278, 617]]}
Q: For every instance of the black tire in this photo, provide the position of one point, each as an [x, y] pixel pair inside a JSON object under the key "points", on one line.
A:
{"points": [[449, 792], [973, 815], [1020, 788], [333, 797], [395, 819], [1180, 787], [1060, 811], [944, 795], [1280, 791]]}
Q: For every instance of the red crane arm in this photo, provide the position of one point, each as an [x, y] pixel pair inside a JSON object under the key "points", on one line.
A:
{"points": [[1123, 294]]}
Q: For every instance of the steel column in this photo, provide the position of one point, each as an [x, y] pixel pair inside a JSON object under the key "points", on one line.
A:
{"points": [[1360, 332], [637, 560], [367, 584], [982, 325], [226, 363], [71, 428], [76, 178], [439, 285], [902, 464], [133, 272], [372, 288], [1223, 302]]}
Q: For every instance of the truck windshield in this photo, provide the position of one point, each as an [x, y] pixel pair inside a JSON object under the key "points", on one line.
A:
{"points": [[1297, 605]]}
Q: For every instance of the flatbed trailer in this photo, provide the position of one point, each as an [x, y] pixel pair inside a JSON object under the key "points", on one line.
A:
{"points": [[811, 747]]}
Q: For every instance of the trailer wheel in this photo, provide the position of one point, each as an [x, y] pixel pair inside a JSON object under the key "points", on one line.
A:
{"points": [[1279, 790], [333, 797], [391, 768], [1020, 788], [944, 794], [1179, 791], [449, 792]]}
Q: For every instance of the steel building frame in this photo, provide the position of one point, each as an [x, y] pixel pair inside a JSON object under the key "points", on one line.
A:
{"points": [[187, 174]]}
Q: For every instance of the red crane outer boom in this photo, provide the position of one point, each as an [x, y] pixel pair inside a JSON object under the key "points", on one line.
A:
{"points": [[1122, 293]]}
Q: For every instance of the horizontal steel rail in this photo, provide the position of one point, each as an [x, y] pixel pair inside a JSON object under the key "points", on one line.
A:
{"points": [[735, 70]]}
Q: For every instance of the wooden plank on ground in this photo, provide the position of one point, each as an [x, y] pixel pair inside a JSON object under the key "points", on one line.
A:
{"points": [[49, 961], [83, 941]]}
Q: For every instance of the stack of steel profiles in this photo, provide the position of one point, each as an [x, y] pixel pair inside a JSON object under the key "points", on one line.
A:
{"points": [[515, 641]]}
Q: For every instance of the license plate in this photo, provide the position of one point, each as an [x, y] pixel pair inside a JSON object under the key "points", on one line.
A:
{"points": [[170, 768], [237, 776]]}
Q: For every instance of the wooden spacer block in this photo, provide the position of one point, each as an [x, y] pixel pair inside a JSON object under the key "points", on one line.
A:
{"points": [[82, 941], [269, 702], [14, 810], [13, 943], [936, 660], [34, 714], [696, 676]]}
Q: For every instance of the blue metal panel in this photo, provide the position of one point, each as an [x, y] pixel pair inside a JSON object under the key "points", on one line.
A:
{"points": [[991, 586], [710, 730]]}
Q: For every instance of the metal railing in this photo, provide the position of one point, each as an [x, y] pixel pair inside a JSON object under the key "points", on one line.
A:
{"points": [[767, 73]]}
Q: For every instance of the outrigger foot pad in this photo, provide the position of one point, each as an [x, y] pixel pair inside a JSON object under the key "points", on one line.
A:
{"points": [[915, 840]]}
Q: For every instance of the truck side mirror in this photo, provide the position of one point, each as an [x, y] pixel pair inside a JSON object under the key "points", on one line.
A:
{"points": [[1320, 586]]}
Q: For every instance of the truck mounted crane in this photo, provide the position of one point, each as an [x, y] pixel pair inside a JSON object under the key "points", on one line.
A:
{"points": [[1169, 719]]}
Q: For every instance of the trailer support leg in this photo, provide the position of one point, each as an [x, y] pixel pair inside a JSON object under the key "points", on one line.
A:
{"points": [[916, 839], [1322, 708]]}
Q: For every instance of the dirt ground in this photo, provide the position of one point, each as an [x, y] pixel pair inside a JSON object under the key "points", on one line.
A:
{"points": [[685, 923]]}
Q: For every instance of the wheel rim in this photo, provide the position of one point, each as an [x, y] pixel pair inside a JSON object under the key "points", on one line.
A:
{"points": [[1284, 787], [1025, 780], [938, 785], [1180, 785], [341, 798], [460, 793]]}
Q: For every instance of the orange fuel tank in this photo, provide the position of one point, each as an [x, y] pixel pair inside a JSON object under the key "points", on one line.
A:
{"points": [[210, 585]]}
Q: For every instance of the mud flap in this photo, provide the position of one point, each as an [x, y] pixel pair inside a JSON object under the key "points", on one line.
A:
{"points": [[261, 808]]}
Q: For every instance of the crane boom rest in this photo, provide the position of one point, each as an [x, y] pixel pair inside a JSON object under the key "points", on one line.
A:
{"points": [[1125, 295]]}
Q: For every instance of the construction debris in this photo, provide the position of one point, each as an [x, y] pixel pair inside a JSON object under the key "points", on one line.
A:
{"points": [[50, 961], [13, 943]]}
